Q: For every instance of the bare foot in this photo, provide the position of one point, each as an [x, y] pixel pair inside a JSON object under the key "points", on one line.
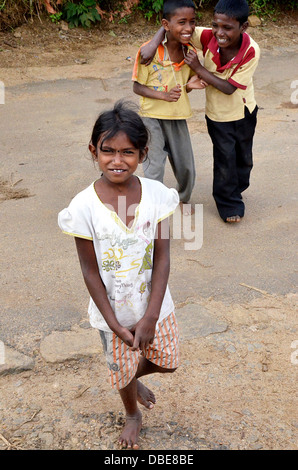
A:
{"points": [[233, 218], [130, 434], [145, 396], [186, 208]]}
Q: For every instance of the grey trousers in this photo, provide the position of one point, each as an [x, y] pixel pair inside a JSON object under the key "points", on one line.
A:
{"points": [[171, 139]]}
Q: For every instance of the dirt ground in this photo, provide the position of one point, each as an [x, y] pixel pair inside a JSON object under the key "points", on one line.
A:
{"points": [[236, 389], [38, 50]]}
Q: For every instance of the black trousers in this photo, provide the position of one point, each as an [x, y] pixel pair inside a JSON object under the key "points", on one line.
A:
{"points": [[232, 161]]}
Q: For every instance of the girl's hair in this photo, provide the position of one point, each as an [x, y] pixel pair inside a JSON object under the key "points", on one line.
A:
{"points": [[237, 9], [122, 118]]}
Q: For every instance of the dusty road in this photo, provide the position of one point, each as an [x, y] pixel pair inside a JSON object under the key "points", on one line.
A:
{"points": [[238, 385]]}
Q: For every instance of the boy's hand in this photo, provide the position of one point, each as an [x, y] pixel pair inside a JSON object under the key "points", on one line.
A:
{"points": [[144, 333], [195, 83], [174, 94], [192, 60]]}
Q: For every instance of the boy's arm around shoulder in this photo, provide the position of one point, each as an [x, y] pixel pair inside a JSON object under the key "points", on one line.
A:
{"points": [[97, 289], [148, 49]]}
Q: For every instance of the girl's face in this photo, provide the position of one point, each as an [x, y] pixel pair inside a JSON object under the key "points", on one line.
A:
{"points": [[117, 158], [227, 31]]}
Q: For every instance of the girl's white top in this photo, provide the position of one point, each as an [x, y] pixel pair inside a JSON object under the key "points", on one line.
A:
{"points": [[124, 255]]}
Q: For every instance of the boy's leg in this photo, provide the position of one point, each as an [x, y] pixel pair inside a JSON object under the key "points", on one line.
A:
{"points": [[154, 165], [226, 191], [179, 147], [245, 133]]}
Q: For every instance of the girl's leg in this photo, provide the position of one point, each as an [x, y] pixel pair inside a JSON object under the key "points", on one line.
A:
{"points": [[146, 367], [133, 424], [133, 392], [114, 346], [144, 395], [168, 356]]}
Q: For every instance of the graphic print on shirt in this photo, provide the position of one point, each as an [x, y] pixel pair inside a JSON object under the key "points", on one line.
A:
{"points": [[143, 287], [147, 260], [116, 239], [111, 259], [115, 259], [146, 264], [160, 78]]}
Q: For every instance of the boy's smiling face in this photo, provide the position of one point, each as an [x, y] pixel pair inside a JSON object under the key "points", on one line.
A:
{"points": [[181, 25], [227, 31]]}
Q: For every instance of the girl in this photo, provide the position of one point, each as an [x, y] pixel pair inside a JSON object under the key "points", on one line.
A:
{"points": [[120, 225]]}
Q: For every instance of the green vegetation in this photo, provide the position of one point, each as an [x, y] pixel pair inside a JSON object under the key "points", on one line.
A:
{"points": [[150, 8], [271, 7], [85, 13], [80, 14]]}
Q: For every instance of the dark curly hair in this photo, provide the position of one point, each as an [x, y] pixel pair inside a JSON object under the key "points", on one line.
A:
{"points": [[237, 9], [122, 118]]}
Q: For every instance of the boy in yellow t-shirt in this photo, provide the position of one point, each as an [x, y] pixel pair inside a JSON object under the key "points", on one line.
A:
{"points": [[231, 57], [164, 103]]}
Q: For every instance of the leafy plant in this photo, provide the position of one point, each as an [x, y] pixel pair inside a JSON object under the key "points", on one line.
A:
{"points": [[264, 7], [150, 8], [87, 12], [83, 13], [56, 17]]}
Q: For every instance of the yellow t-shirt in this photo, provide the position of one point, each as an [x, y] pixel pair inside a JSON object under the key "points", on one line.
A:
{"points": [[238, 71], [163, 75]]}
